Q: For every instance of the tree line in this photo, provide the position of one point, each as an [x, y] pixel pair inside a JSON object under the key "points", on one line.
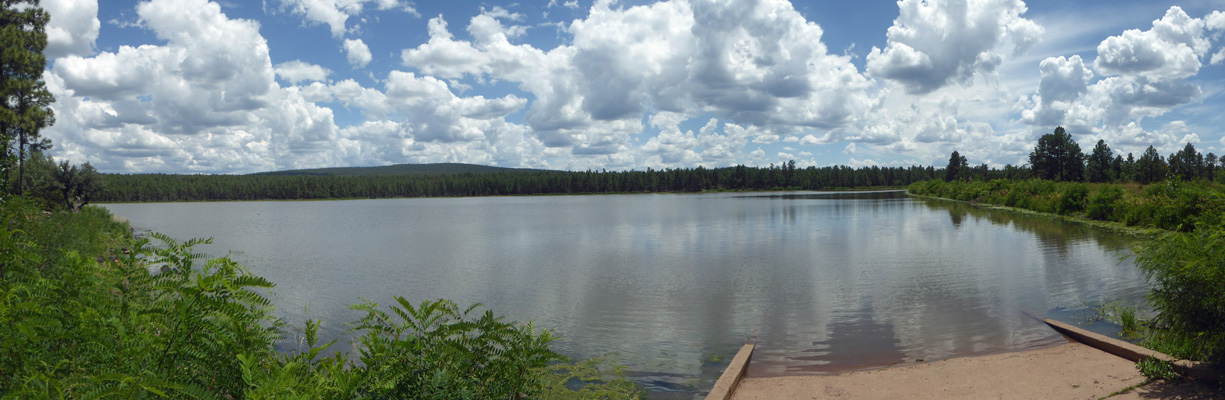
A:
{"points": [[1057, 157], [167, 187]]}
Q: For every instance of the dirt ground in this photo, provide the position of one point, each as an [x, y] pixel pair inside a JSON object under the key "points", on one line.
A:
{"points": [[1068, 371]]}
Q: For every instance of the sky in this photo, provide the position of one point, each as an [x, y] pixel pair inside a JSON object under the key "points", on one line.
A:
{"points": [[240, 86]]}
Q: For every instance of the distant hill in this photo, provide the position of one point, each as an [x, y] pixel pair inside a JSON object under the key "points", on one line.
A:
{"points": [[402, 169]]}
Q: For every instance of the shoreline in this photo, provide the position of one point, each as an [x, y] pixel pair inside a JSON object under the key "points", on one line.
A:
{"points": [[1116, 227]]}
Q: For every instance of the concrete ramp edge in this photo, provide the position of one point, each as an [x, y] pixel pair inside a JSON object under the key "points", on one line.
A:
{"points": [[727, 383], [1133, 353]]}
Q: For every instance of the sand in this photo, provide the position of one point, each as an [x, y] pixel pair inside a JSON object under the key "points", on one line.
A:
{"points": [[1067, 371]]}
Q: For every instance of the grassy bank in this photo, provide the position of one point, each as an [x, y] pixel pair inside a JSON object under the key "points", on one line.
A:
{"points": [[1185, 263], [82, 316]]}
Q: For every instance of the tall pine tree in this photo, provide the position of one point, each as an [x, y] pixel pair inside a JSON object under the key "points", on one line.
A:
{"points": [[1186, 163], [1100, 163], [25, 102], [1150, 167], [1058, 158], [957, 162]]}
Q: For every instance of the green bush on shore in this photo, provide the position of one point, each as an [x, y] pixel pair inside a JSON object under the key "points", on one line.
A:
{"points": [[82, 316], [1188, 276]]}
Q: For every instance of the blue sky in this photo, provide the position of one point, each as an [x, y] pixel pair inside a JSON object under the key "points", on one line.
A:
{"points": [[194, 86]]}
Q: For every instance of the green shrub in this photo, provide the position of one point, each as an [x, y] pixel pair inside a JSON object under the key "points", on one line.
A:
{"points": [[1040, 204], [1072, 199], [1136, 212], [1188, 276], [1104, 203]]}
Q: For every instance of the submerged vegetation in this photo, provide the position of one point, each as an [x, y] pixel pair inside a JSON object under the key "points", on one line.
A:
{"points": [[83, 316]]}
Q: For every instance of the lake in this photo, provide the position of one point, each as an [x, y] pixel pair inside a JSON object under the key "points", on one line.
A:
{"points": [[673, 284]]}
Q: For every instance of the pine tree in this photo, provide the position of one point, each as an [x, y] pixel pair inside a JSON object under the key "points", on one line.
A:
{"points": [[1210, 161], [1058, 158], [1150, 167], [1186, 163], [1100, 163], [1116, 169], [1129, 169], [24, 99], [957, 162]]}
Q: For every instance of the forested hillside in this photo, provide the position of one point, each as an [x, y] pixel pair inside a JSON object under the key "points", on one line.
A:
{"points": [[402, 169]]}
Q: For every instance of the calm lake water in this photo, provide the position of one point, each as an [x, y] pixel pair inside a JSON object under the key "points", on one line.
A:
{"points": [[672, 284]]}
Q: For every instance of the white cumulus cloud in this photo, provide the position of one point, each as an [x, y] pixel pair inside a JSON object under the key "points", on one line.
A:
{"points": [[1170, 50], [297, 71], [1143, 74], [357, 52], [1064, 80], [73, 28], [934, 43], [205, 100], [760, 64]]}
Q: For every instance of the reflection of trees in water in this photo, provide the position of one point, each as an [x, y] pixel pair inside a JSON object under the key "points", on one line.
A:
{"points": [[1071, 273], [956, 217], [1051, 233], [881, 195]]}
